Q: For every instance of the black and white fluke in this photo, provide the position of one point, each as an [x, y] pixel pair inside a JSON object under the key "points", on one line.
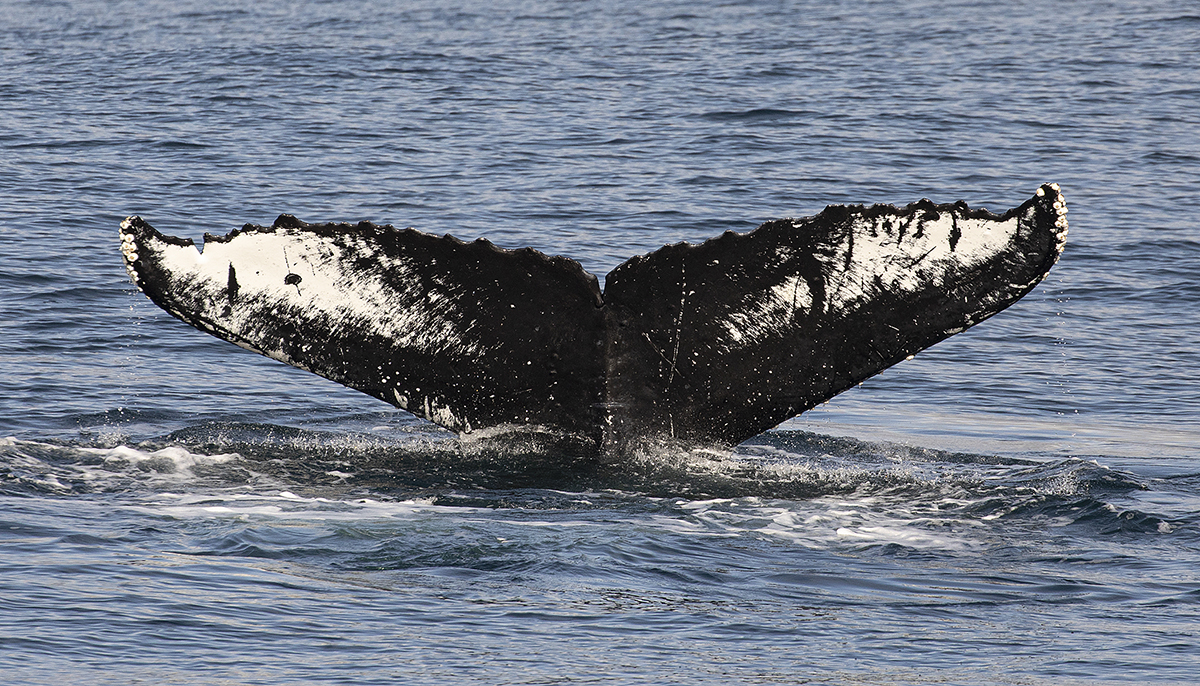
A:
{"points": [[704, 345]]}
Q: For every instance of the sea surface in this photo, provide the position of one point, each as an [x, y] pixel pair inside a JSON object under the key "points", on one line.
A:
{"points": [[1019, 504]]}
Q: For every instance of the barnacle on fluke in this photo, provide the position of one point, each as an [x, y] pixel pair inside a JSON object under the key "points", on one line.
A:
{"points": [[703, 345]]}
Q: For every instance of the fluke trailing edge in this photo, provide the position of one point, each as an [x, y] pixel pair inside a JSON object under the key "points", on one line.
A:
{"points": [[704, 344]]}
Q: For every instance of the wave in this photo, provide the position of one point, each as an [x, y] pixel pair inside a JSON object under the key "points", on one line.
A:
{"points": [[271, 470], [779, 464], [754, 115]]}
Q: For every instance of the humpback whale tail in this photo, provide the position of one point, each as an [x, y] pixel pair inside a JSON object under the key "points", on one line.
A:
{"points": [[704, 344]]}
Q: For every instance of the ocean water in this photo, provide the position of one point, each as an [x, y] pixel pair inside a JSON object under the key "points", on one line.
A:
{"points": [[1019, 504]]}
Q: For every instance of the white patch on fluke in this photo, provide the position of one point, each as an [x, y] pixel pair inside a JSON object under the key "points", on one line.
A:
{"points": [[333, 288], [317, 277], [885, 254], [768, 313], [881, 260]]}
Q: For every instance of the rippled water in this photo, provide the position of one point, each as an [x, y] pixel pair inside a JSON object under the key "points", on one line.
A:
{"points": [[1019, 504]]}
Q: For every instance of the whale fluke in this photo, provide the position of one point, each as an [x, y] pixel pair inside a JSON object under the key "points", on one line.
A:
{"points": [[704, 345]]}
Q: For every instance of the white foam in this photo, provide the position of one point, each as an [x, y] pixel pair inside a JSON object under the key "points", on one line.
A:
{"points": [[835, 523], [170, 460], [104, 468], [287, 505]]}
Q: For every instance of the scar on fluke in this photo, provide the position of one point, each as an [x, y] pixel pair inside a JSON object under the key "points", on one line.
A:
{"points": [[700, 345]]}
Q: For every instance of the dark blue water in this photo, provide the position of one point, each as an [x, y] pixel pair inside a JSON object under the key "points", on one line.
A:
{"points": [[1019, 504]]}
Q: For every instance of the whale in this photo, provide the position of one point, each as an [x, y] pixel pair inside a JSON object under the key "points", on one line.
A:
{"points": [[693, 345]]}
